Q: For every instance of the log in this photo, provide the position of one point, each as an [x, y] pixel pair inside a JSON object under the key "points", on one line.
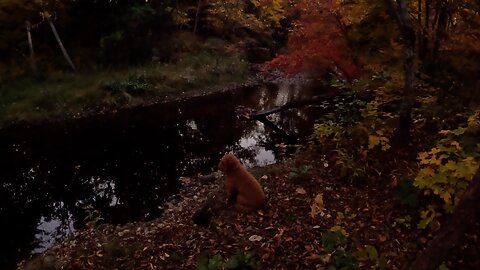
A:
{"points": [[295, 104]]}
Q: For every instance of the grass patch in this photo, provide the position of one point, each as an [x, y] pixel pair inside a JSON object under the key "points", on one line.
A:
{"points": [[62, 93]]}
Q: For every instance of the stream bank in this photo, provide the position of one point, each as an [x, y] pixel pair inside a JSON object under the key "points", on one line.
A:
{"points": [[282, 235], [122, 166]]}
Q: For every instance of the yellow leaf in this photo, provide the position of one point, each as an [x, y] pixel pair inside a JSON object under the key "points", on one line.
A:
{"points": [[338, 228], [385, 147], [447, 197], [457, 145], [423, 157], [428, 172], [317, 206], [436, 161], [450, 166], [373, 141]]}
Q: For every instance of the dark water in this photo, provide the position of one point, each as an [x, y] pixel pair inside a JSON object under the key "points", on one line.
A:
{"points": [[125, 165]]}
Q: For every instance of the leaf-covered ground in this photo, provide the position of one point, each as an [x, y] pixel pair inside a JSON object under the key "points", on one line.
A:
{"points": [[283, 235]]}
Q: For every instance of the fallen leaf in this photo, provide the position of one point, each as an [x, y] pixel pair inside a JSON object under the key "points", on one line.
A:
{"points": [[317, 206], [185, 180], [255, 238], [313, 257], [382, 238], [301, 190], [164, 256]]}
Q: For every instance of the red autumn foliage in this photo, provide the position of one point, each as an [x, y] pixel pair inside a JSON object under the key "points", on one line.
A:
{"points": [[316, 44]]}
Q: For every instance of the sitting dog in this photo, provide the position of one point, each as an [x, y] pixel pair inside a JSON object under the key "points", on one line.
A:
{"points": [[240, 185]]}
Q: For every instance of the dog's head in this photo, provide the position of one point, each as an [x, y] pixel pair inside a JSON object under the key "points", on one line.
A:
{"points": [[228, 163]]}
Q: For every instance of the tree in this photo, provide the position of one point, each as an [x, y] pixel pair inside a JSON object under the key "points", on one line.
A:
{"points": [[317, 42], [401, 14], [59, 41]]}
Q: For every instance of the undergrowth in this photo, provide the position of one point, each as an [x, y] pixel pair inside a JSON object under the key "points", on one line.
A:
{"points": [[62, 93]]}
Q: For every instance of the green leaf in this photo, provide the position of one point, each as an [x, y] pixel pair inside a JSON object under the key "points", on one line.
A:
{"points": [[372, 252], [215, 262], [443, 267], [232, 263], [332, 239], [459, 131]]}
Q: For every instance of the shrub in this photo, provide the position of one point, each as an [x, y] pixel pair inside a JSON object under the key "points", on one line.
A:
{"points": [[135, 85], [447, 169]]}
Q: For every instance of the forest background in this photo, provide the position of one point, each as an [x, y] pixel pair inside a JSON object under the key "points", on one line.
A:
{"points": [[412, 67]]}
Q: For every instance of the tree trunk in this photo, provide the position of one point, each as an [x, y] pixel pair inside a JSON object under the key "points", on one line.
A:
{"points": [[402, 134], [400, 10], [466, 214], [57, 37], [441, 29], [33, 64], [195, 28], [426, 31]]}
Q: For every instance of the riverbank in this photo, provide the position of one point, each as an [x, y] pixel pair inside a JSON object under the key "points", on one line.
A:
{"points": [[286, 234], [283, 235], [313, 220], [65, 95]]}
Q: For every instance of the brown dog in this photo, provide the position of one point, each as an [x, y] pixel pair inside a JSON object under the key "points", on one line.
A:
{"points": [[240, 183]]}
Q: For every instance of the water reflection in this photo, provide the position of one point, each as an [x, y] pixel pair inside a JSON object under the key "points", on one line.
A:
{"points": [[126, 164]]}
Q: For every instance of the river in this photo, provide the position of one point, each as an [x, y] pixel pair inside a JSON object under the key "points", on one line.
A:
{"points": [[126, 164]]}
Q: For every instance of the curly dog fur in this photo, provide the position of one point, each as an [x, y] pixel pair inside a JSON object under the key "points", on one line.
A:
{"points": [[241, 184]]}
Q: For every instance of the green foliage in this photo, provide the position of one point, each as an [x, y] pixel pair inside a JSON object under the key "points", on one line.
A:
{"points": [[379, 139], [93, 216], [240, 261], [328, 130], [405, 221], [343, 261], [213, 263], [134, 85], [111, 40], [447, 169], [229, 16], [60, 93], [332, 240], [443, 267], [343, 114], [272, 10], [127, 25], [368, 253], [335, 243], [406, 193], [429, 218], [177, 256], [349, 167], [300, 172]]}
